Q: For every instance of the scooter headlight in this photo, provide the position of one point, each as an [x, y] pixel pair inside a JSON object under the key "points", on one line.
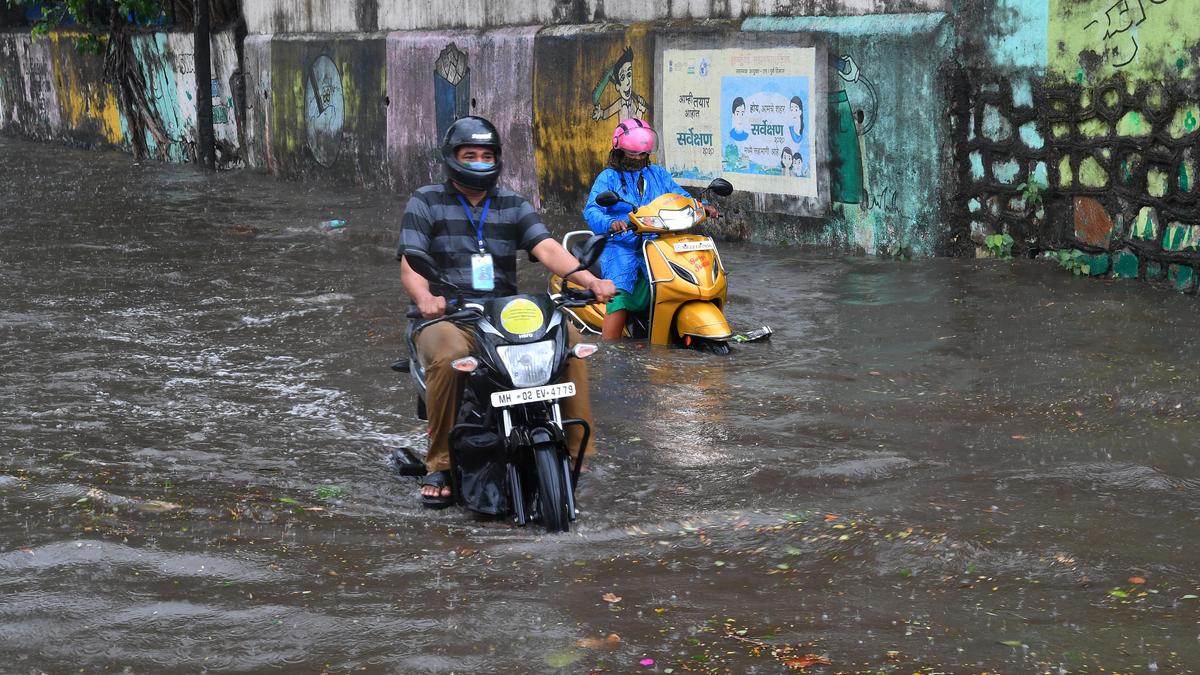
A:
{"points": [[529, 365], [680, 219]]}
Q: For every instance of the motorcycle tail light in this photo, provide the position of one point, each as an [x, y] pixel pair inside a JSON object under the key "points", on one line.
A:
{"points": [[583, 350], [466, 364]]}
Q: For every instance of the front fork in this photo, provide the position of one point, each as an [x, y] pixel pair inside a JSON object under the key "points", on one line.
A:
{"points": [[555, 433]]}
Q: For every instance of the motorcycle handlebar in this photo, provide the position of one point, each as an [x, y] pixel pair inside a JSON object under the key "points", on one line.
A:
{"points": [[576, 297]]}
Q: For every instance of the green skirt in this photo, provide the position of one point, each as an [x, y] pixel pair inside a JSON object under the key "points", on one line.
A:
{"points": [[636, 303]]}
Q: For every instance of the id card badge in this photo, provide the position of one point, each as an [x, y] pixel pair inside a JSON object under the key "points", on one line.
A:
{"points": [[483, 276]]}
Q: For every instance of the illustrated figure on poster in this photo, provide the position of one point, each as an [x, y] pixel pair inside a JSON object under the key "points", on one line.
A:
{"points": [[796, 111], [738, 130], [792, 164], [628, 102]]}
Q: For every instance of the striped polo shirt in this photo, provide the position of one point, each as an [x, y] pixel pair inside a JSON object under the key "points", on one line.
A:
{"points": [[434, 221]]}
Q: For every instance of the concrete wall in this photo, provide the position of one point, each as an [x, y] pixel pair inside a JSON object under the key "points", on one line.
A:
{"points": [[339, 16], [50, 91], [369, 108], [1106, 117]]}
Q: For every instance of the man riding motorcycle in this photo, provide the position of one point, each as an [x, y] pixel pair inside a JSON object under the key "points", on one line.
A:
{"points": [[472, 230]]}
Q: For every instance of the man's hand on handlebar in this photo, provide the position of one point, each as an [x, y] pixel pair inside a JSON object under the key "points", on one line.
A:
{"points": [[710, 210], [432, 307], [618, 226], [603, 289]]}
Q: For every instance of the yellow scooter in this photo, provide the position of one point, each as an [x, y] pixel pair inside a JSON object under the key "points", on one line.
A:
{"points": [[687, 279]]}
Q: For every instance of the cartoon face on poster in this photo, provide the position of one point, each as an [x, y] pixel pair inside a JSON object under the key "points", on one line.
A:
{"points": [[765, 127], [744, 114]]}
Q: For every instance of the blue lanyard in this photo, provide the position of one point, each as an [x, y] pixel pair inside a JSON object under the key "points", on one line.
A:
{"points": [[471, 219]]}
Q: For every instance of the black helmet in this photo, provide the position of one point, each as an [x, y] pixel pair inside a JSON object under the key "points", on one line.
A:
{"points": [[471, 131]]}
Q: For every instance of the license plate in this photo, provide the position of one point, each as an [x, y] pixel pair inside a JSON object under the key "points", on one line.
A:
{"points": [[502, 399], [706, 245]]}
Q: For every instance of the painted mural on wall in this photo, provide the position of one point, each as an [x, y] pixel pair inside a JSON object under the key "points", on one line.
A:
{"points": [[853, 109], [451, 87], [324, 110], [1114, 168], [319, 107], [434, 78], [587, 78], [743, 114], [1091, 40], [28, 98], [626, 103]]}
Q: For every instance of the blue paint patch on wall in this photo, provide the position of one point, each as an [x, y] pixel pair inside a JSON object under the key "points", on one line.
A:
{"points": [[875, 24], [1006, 171], [1021, 39], [1022, 93], [1030, 136]]}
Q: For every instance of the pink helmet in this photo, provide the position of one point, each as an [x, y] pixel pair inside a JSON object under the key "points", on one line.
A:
{"points": [[634, 135]]}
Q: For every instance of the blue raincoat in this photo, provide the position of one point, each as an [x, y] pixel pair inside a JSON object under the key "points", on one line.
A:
{"points": [[621, 261]]}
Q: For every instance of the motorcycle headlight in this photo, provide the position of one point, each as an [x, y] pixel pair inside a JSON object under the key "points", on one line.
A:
{"points": [[529, 365]]}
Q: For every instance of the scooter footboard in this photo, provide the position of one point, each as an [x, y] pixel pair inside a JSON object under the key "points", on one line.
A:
{"points": [[701, 318]]}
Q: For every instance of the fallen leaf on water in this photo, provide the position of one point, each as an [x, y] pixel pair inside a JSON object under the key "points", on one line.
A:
{"points": [[802, 662], [829, 517], [1118, 593], [647, 662], [1190, 596], [611, 597], [1137, 580], [1019, 437], [611, 642], [466, 552], [1011, 643]]}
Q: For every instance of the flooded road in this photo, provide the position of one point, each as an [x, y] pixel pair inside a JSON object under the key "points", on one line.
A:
{"points": [[934, 466]]}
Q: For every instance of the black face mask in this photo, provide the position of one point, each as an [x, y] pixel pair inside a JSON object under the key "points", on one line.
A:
{"points": [[621, 162]]}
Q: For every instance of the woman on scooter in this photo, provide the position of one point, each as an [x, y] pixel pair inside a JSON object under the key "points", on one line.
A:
{"points": [[638, 182]]}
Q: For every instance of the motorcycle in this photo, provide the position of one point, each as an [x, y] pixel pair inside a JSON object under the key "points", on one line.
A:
{"points": [[687, 279], [508, 448]]}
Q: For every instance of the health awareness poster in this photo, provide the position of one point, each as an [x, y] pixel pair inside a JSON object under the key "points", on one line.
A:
{"points": [[743, 114]]}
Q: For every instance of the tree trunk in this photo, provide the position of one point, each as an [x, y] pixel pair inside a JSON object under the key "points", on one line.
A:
{"points": [[206, 153]]}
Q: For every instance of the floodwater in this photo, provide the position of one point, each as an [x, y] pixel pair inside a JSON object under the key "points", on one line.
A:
{"points": [[934, 466]]}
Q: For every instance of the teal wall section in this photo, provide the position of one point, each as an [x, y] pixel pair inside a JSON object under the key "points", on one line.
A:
{"points": [[889, 131]]}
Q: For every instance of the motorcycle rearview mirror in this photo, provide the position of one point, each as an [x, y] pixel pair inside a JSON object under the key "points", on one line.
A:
{"points": [[587, 254], [422, 263], [589, 251], [608, 198], [721, 187]]}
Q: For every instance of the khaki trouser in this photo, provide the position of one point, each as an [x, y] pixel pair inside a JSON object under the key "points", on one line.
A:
{"points": [[442, 343]]}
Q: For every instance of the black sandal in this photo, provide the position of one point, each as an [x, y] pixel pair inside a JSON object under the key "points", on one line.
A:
{"points": [[438, 479]]}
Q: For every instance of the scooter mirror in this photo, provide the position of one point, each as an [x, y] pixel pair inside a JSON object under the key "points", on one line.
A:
{"points": [[607, 198], [589, 251], [423, 264], [721, 187]]}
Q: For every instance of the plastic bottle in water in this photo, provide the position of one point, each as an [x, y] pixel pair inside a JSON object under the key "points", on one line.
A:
{"points": [[335, 224]]}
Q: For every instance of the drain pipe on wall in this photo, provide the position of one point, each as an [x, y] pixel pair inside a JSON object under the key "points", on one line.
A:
{"points": [[205, 153]]}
